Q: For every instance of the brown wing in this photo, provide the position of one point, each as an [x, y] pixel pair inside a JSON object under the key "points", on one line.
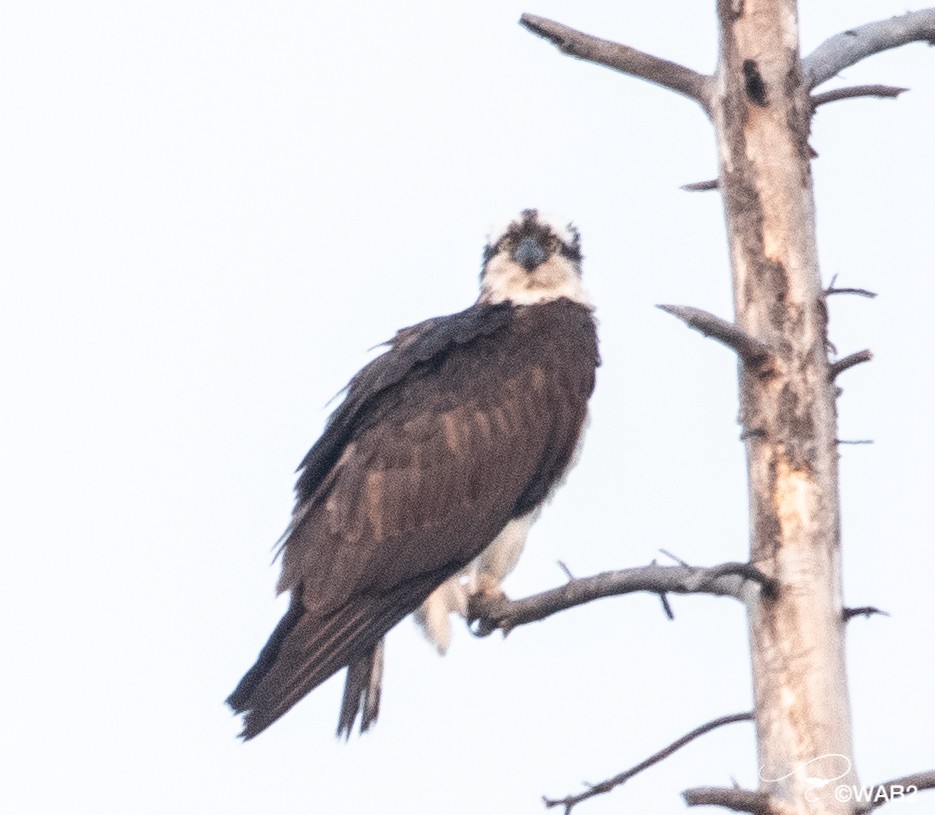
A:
{"points": [[433, 468]]}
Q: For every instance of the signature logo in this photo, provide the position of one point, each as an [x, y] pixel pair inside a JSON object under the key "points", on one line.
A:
{"points": [[816, 783], [832, 763]]}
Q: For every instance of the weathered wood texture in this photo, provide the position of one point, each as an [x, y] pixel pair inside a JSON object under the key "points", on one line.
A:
{"points": [[762, 112]]}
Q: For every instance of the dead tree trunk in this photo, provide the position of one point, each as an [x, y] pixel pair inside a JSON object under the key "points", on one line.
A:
{"points": [[762, 113], [760, 102]]}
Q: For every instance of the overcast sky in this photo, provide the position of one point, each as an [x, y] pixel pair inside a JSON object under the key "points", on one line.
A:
{"points": [[209, 211]]}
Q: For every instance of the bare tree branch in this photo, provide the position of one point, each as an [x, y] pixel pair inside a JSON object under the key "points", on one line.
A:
{"points": [[736, 800], [489, 613], [841, 365], [666, 607], [570, 801], [865, 611], [565, 569], [860, 292], [624, 59], [768, 585], [702, 186], [832, 289], [897, 789], [880, 91], [851, 46], [751, 350], [673, 557]]}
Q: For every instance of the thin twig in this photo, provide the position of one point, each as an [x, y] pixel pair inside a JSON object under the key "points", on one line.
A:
{"points": [[623, 58], [865, 611], [603, 787], [861, 292], [701, 186], [751, 350], [853, 441], [664, 598], [849, 47], [841, 365], [898, 788], [855, 92], [565, 569], [488, 614], [672, 557], [737, 800]]}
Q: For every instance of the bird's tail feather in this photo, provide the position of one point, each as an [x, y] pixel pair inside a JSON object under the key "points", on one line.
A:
{"points": [[239, 700], [362, 692], [307, 649]]}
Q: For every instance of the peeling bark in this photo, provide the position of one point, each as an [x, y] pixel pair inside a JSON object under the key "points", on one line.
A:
{"points": [[762, 112]]}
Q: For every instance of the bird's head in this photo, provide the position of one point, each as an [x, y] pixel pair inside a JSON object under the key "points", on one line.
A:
{"points": [[533, 258]]}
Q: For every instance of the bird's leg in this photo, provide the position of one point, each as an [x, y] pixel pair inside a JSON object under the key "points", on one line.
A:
{"points": [[484, 597]]}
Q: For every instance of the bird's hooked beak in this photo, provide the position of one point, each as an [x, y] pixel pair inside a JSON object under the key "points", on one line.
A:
{"points": [[529, 253]]}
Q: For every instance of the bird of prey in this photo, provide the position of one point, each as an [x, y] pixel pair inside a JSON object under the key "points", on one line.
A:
{"points": [[423, 486]]}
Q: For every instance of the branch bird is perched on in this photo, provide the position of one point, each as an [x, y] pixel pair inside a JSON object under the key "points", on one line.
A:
{"points": [[427, 478]]}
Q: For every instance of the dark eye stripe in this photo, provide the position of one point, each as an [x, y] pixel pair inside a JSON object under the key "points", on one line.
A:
{"points": [[552, 242], [571, 252]]}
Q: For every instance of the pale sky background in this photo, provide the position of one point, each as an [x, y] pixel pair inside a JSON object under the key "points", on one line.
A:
{"points": [[209, 211]]}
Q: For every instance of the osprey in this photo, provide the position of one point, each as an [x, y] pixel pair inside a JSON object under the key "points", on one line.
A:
{"points": [[421, 490]]}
